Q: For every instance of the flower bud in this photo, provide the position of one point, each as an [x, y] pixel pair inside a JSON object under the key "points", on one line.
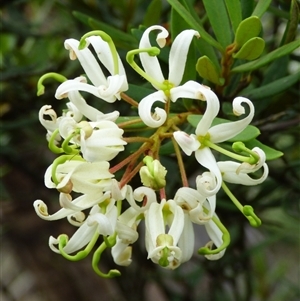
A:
{"points": [[153, 174]]}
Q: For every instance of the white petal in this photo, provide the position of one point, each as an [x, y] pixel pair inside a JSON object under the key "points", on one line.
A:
{"points": [[121, 253], [111, 91], [87, 61], [159, 117], [205, 157], [188, 90], [229, 173], [49, 125], [225, 131], [150, 63], [188, 143], [178, 55], [177, 224], [80, 238], [73, 85], [104, 54], [187, 239], [215, 235], [212, 109]]}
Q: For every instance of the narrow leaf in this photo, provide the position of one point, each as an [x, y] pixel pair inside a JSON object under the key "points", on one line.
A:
{"points": [[218, 18], [251, 50], [273, 88], [195, 24], [261, 7], [153, 13], [235, 12], [284, 50], [121, 39], [292, 26], [271, 153], [248, 29], [207, 70]]}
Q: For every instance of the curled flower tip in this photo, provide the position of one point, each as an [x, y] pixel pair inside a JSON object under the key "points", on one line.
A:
{"points": [[253, 219], [41, 208]]}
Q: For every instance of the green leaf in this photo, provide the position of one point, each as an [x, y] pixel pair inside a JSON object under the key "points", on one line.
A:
{"points": [[292, 26], [271, 153], [138, 92], [273, 88], [121, 39], [195, 24], [283, 50], [251, 50], [218, 18], [208, 70], [247, 29], [249, 133], [261, 7], [235, 12], [153, 13]]}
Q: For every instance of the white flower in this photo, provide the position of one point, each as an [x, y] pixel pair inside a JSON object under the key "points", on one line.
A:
{"points": [[109, 88], [96, 222], [193, 202], [215, 134], [163, 247], [104, 143], [177, 60], [79, 176]]}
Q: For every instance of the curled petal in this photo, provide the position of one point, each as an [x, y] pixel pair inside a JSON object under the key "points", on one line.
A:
{"points": [[247, 168], [229, 173], [88, 111], [67, 126], [87, 61], [188, 143], [50, 125], [178, 55], [150, 63], [139, 194], [127, 234], [159, 117], [115, 85], [205, 157], [225, 131]]}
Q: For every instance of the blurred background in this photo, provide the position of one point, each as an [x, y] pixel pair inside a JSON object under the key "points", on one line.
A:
{"points": [[260, 265]]}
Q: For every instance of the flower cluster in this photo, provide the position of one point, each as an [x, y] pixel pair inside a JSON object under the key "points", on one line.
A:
{"points": [[93, 172]]}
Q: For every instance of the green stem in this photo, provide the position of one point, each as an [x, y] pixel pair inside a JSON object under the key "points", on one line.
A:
{"points": [[70, 150], [61, 160], [51, 144], [230, 154], [54, 75], [247, 210], [225, 238], [152, 51], [63, 240], [97, 257]]}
